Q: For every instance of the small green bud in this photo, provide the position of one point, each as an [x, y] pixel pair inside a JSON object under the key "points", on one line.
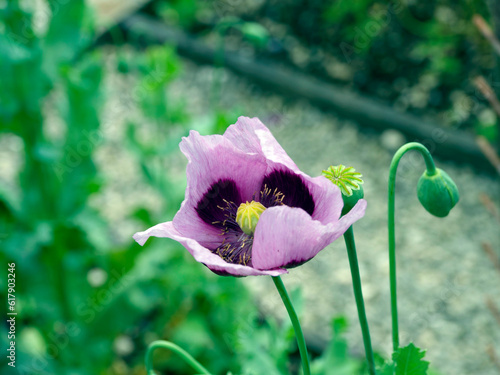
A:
{"points": [[248, 215], [438, 193], [349, 181]]}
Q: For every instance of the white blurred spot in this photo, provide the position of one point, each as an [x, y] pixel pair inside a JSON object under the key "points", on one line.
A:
{"points": [[392, 139], [123, 345], [487, 116], [97, 277]]}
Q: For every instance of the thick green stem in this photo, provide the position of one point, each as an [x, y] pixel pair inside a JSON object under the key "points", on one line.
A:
{"points": [[177, 350], [358, 296], [431, 169], [301, 342]]}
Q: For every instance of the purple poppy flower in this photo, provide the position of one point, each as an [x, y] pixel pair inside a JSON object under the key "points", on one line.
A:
{"points": [[291, 217]]}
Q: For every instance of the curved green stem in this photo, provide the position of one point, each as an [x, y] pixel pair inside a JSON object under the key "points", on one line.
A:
{"points": [[177, 350], [301, 342], [358, 296], [431, 169]]}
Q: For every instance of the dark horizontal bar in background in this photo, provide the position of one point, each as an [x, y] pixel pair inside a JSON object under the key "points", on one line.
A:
{"points": [[448, 144]]}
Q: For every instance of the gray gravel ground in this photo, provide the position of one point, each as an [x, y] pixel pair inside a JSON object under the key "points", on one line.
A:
{"points": [[444, 276]]}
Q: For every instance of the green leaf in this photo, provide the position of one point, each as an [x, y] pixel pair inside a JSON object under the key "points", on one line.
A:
{"points": [[336, 359], [69, 32], [255, 33], [409, 361], [263, 348], [386, 369]]}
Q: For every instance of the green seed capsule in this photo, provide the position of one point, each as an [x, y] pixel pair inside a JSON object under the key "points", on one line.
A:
{"points": [[351, 200], [350, 183], [438, 193], [247, 216]]}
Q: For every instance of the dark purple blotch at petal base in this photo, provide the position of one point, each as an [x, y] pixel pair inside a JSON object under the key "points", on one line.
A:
{"points": [[212, 207], [292, 189], [218, 207]]}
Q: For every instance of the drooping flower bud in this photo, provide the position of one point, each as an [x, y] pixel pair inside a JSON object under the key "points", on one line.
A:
{"points": [[349, 181], [248, 214], [437, 192]]}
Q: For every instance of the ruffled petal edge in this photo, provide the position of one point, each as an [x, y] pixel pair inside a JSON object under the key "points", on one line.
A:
{"points": [[201, 254], [251, 136]]}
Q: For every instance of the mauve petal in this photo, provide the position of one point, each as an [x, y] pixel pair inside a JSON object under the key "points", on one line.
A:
{"points": [[212, 158], [202, 254], [252, 136], [287, 236], [327, 199]]}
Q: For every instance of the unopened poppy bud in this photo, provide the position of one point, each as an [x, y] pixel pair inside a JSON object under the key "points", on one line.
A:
{"points": [[437, 192], [349, 181], [248, 215]]}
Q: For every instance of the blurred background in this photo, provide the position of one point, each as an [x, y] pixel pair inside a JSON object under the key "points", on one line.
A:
{"points": [[94, 99]]}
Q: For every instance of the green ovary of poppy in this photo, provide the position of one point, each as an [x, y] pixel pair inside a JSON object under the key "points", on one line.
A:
{"points": [[248, 214]]}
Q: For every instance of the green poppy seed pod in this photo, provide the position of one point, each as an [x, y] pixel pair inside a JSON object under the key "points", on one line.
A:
{"points": [[350, 183], [351, 200], [437, 192], [248, 214]]}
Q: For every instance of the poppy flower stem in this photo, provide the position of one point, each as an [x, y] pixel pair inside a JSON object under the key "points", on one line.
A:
{"points": [[177, 350], [301, 342], [431, 170], [358, 296]]}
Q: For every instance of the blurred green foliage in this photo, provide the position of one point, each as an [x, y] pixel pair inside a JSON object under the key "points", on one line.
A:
{"points": [[420, 57], [86, 303]]}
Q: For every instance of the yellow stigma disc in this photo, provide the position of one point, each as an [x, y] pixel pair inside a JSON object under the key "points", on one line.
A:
{"points": [[248, 215]]}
